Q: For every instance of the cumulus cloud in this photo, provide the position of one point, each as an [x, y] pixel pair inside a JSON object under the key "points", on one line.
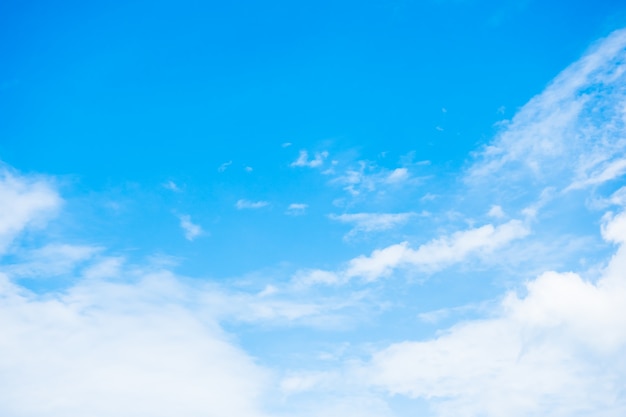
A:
{"points": [[114, 349], [557, 350], [247, 204], [190, 229]]}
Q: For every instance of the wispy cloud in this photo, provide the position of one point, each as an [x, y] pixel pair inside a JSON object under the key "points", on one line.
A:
{"points": [[367, 177], [438, 253], [26, 201], [296, 209], [372, 222], [224, 166], [572, 135], [430, 257], [190, 229], [247, 204], [172, 186], [52, 260], [304, 161]]}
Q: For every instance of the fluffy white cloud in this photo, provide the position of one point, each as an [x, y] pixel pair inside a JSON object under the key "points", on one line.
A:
{"points": [[25, 201], [558, 350], [106, 349]]}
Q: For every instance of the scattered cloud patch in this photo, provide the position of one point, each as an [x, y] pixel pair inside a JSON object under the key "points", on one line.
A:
{"points": [[296, 209], [247, 204], [398, 175], [172, 186], [372, 222], [437, 254], [190, 229], [304, 161], [224, 166]]}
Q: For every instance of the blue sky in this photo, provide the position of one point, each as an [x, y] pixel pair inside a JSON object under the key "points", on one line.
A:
{"points": [[313, 208]]}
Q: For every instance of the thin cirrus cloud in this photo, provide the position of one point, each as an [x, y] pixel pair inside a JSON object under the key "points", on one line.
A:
{"points": [[560, 136]]}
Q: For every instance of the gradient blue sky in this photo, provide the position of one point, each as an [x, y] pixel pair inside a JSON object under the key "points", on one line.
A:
{"points": [[312, 208]]}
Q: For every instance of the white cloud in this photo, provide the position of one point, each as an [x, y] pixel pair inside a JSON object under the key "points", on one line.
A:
{"points": [[372, 222], [247, 204], [303, 159], [108, 267], [398, 175], [191, 230], [556, 351], [172, 186], [437, 254], [296, 209], [51, 260], [119, 350], [25, 202], [224, 166], [496, 212], [368, 177], [430, 257], [573, 134]]}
